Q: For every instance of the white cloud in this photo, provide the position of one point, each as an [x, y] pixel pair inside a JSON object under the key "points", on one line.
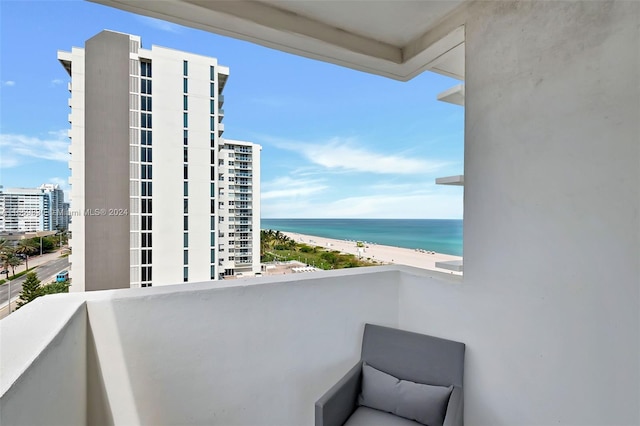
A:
{"points": [[7, 161], [286, 187], [16, 149], [57, 82], [9, 83], [384, 206], [344, 154], [159, 24]]}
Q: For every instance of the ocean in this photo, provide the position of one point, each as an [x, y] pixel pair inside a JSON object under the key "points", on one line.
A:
{"points": [[440, 235]]}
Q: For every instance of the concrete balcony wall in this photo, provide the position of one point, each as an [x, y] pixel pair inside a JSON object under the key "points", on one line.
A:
{"points": [[259, 351], [43, 363], [551, 297]]}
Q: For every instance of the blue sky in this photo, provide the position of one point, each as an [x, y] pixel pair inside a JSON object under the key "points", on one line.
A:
{"points": [[336, 143]]}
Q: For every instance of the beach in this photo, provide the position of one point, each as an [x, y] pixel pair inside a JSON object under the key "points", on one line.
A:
{"points": [[379, 253]]}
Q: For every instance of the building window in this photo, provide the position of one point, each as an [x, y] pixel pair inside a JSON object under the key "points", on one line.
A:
{"points": [[186, 223], [146, 239], [186, 189], [186, 206], [145, 136], [213, 90], [185, 85], [185, 119], [185, 135], [145, 120], [146, 223], [213, 256], [145, 86], [213, 225], [213, 140], [185, 257], [146, 257], [185, 68], [212, 73], [145, 69], [213, 106], [185, 274], [212, 121], [185, 240], [213, 206], [213, 189], [213, 272], [145, 155], [185, 155], [186, 171], [146, 103], [213, 239], [185, 101]]}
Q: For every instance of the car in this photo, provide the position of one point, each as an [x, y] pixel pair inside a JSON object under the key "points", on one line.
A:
{"points": [[4, 272]]}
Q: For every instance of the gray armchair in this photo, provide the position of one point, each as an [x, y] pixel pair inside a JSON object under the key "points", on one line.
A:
{"points": [[402, 378]]}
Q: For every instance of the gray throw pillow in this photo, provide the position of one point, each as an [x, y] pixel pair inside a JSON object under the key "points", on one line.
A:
{"points": [[423, 403]]}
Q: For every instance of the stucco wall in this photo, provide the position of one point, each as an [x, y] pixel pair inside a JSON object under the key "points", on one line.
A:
{"points": [[106, 156], [255, 354], [549, 306], [43, 363]]}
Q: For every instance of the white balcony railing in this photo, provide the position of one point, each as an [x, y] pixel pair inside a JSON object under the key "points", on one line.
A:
{"points": [[91, 358]]}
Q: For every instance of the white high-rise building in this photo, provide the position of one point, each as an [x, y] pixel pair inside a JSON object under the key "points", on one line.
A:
{"points": [[147, 187], [59, 210], [33, 209], [24, 210]]}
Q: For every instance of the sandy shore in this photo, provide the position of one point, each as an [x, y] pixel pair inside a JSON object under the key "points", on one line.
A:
{"points": [[380, 253]]}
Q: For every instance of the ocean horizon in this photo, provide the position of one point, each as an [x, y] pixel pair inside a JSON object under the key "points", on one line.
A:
{"points": [[440, 235]]}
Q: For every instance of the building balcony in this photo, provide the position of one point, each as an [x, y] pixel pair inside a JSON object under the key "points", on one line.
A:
{"points": [[91, 358]]}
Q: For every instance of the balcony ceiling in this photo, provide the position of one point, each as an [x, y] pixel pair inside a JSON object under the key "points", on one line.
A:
{"points": [[394, 38]]}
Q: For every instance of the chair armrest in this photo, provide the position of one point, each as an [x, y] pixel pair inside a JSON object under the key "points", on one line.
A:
{"points": [[339, 402], [455, 408]]}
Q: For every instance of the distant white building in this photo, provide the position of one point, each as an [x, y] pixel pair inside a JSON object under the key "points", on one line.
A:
{"points": [[239, 208], [58, 209], [151, 186], [32, 209]]}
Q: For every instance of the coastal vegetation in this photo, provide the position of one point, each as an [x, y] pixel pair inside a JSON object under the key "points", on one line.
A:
{"points": [[276, 246]]}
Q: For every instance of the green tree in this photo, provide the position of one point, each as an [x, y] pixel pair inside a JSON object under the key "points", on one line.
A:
{"points": [[5, 252], [4, 245], [27, 248], [31, 290], [12, 260], [56, 287]]}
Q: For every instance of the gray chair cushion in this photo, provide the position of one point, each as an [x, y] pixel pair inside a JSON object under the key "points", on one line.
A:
{"points": [[423, 403], [365, 416]]}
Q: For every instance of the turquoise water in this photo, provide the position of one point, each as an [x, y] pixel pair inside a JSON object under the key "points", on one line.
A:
{"points": [[441, 235]]}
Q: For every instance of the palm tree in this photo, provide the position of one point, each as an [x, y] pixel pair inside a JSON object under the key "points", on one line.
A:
{"points": [[12, 260], [5, 253], [4, 244], [26, 248]]}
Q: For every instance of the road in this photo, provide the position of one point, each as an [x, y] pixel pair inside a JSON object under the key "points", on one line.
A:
{"points": [[44, 271]]}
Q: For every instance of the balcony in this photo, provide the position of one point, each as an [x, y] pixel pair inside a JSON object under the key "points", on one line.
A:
{"points": [[91, 358], [551, 170]]}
